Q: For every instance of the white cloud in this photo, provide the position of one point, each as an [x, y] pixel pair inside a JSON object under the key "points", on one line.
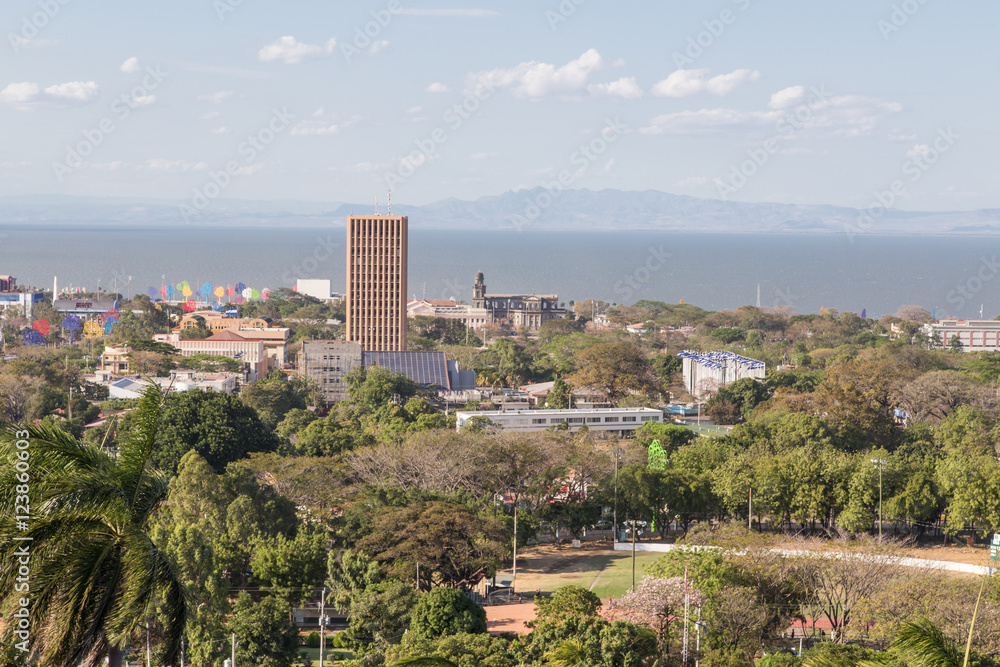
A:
{"points": [[899, 136], [18, 94], [465, 13], [378, 46], [686, 82], [222, 130], [437, 87], [787, 97], [143, 100], [414, 110], [312, 129], [290, 51], [216, 98], [691, 182], [609, 165], [130, 66], [18, 42], [319, 112], [250, 169], [840, 115], [483, 156], [77, 91], [534, 79], [26, 95], [625, 87], [172, 166], [210, 115], [918, 151]]}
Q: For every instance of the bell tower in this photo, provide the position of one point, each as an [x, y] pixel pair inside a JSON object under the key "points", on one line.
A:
{"points": [[479, 292]]}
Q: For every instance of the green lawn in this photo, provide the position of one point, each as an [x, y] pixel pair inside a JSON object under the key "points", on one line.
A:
{"points": [[616, 577], [605, 574]]}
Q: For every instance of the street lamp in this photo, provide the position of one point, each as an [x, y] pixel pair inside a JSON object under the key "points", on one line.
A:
{"points": [[880, 463]]}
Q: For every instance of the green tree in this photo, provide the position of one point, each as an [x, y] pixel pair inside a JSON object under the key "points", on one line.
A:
{"points": [[744, 395], [220, 427], [446, 611], [380, 615], [291, 568], [265, 634], [275, 396], [375, 387], [454, 545], [615, 368], [95, 574]]}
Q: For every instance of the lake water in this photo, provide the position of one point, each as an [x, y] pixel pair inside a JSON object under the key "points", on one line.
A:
{"points": [[946, 275]]}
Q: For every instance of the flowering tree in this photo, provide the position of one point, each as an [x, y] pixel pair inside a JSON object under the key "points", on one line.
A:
{"points": [[657, 602]]}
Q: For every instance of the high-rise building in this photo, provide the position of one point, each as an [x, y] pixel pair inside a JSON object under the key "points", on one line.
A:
{"points": [[376, 282]]}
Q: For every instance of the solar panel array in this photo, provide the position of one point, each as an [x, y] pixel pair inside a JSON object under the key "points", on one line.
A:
{"points": [[428, 369], [719, 360]]}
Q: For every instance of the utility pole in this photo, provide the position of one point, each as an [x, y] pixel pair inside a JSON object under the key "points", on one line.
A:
{"points": [[513, 579], [633, 554], [614, 538], [322, 625], [684, 649], [750, 511], [149, 654], [234, 650], [182, 652]]}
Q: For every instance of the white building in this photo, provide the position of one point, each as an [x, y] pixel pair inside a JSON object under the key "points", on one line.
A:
{"points": [[707, 372], [621, 421], [974, 335], [475, 318], [316, 288]]}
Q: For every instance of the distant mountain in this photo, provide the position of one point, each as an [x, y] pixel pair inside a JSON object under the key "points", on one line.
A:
{"points": [[535, 209]]}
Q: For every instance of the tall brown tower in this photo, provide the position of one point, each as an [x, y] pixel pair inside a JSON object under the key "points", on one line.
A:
{"points": [[376, 282]]}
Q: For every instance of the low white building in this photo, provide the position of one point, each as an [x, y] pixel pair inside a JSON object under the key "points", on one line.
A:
{"points": [[475, 318], [317, 288], [621, 421], [974, 335]]}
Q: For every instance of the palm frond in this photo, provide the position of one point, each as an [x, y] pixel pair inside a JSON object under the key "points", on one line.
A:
{"points": [[925, 645]]}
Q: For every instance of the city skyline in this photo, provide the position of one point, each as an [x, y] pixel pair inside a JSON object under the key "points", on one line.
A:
{"points": [[740, 100]]}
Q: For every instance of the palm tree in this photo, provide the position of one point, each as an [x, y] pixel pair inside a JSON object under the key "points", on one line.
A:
{"points": [[95, 575]]}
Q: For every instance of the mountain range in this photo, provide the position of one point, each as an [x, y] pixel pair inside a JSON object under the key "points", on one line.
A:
{"points": [[536, 209]]}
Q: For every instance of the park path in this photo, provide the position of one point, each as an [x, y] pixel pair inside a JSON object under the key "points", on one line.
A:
{"points": [[966, 568]]}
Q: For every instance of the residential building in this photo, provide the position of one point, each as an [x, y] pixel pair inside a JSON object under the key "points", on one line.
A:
{"points": [[327, 362], [619, 421], [376, 282], [974, 335], [518, 311], [115, 360], [707, 372]]}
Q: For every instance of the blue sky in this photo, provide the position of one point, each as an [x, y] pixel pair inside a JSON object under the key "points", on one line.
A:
{"points": [[750, 100]]}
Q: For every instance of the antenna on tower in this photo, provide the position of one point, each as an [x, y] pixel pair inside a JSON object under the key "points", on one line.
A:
{"points": [[390, 201], [376, 205]]}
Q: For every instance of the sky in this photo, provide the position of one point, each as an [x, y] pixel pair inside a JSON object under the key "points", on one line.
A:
{"points": [[843, 103]]}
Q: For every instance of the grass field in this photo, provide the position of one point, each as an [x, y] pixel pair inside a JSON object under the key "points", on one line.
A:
{"points": [[606, 572], [331, 657]]}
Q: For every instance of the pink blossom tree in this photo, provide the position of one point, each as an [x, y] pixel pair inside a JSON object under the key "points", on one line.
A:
{"points": [[656, 603]]}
